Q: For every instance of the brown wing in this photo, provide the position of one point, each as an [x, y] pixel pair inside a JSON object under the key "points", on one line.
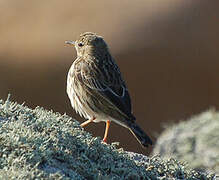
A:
{"points": [[105, 79]]}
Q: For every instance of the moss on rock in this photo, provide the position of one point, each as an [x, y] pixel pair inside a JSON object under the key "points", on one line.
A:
{"points": [[41, 144], [195, 141]]}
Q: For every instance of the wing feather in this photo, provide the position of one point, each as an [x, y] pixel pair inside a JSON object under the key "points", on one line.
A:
{"points": [[106, 80]]}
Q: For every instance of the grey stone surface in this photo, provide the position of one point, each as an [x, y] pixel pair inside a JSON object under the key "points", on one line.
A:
{"points": [[195, 141]]}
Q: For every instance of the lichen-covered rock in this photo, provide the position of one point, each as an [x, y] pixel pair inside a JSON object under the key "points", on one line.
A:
{"points": [[41, 144], [195, 141]]}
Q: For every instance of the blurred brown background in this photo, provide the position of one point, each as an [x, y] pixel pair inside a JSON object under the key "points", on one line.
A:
{"points": [[167, 51]]}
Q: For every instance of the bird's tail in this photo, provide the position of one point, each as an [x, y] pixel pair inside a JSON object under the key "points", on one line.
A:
{"points": [[140, 135]]}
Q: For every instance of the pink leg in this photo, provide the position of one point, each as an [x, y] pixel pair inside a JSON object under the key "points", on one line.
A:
{"points": [[87, 122], [106, 130]]}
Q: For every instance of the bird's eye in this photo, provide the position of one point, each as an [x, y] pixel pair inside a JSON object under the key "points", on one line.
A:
{"points": [[80, 44]]}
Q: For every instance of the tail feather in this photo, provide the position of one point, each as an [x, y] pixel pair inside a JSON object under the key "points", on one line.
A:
{"points": [[140, 135]]}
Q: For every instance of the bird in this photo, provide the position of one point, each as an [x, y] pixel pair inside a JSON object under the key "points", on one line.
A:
{"points": [[96, 88]]}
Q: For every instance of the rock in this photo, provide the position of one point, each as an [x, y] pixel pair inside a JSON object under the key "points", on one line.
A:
{"points": [[195, 141]]}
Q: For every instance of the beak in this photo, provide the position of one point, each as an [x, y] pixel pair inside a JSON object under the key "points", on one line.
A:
{"points": [[70, 43]]}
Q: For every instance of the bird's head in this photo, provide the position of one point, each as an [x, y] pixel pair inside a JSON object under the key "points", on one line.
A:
{"points": [[89, 44]]}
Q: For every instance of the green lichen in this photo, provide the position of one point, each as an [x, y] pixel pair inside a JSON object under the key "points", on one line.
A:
{"points": [[41, 144]]}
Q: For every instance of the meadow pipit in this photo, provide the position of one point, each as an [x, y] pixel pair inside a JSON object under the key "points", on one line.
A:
{"points": [[96, 88]]}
